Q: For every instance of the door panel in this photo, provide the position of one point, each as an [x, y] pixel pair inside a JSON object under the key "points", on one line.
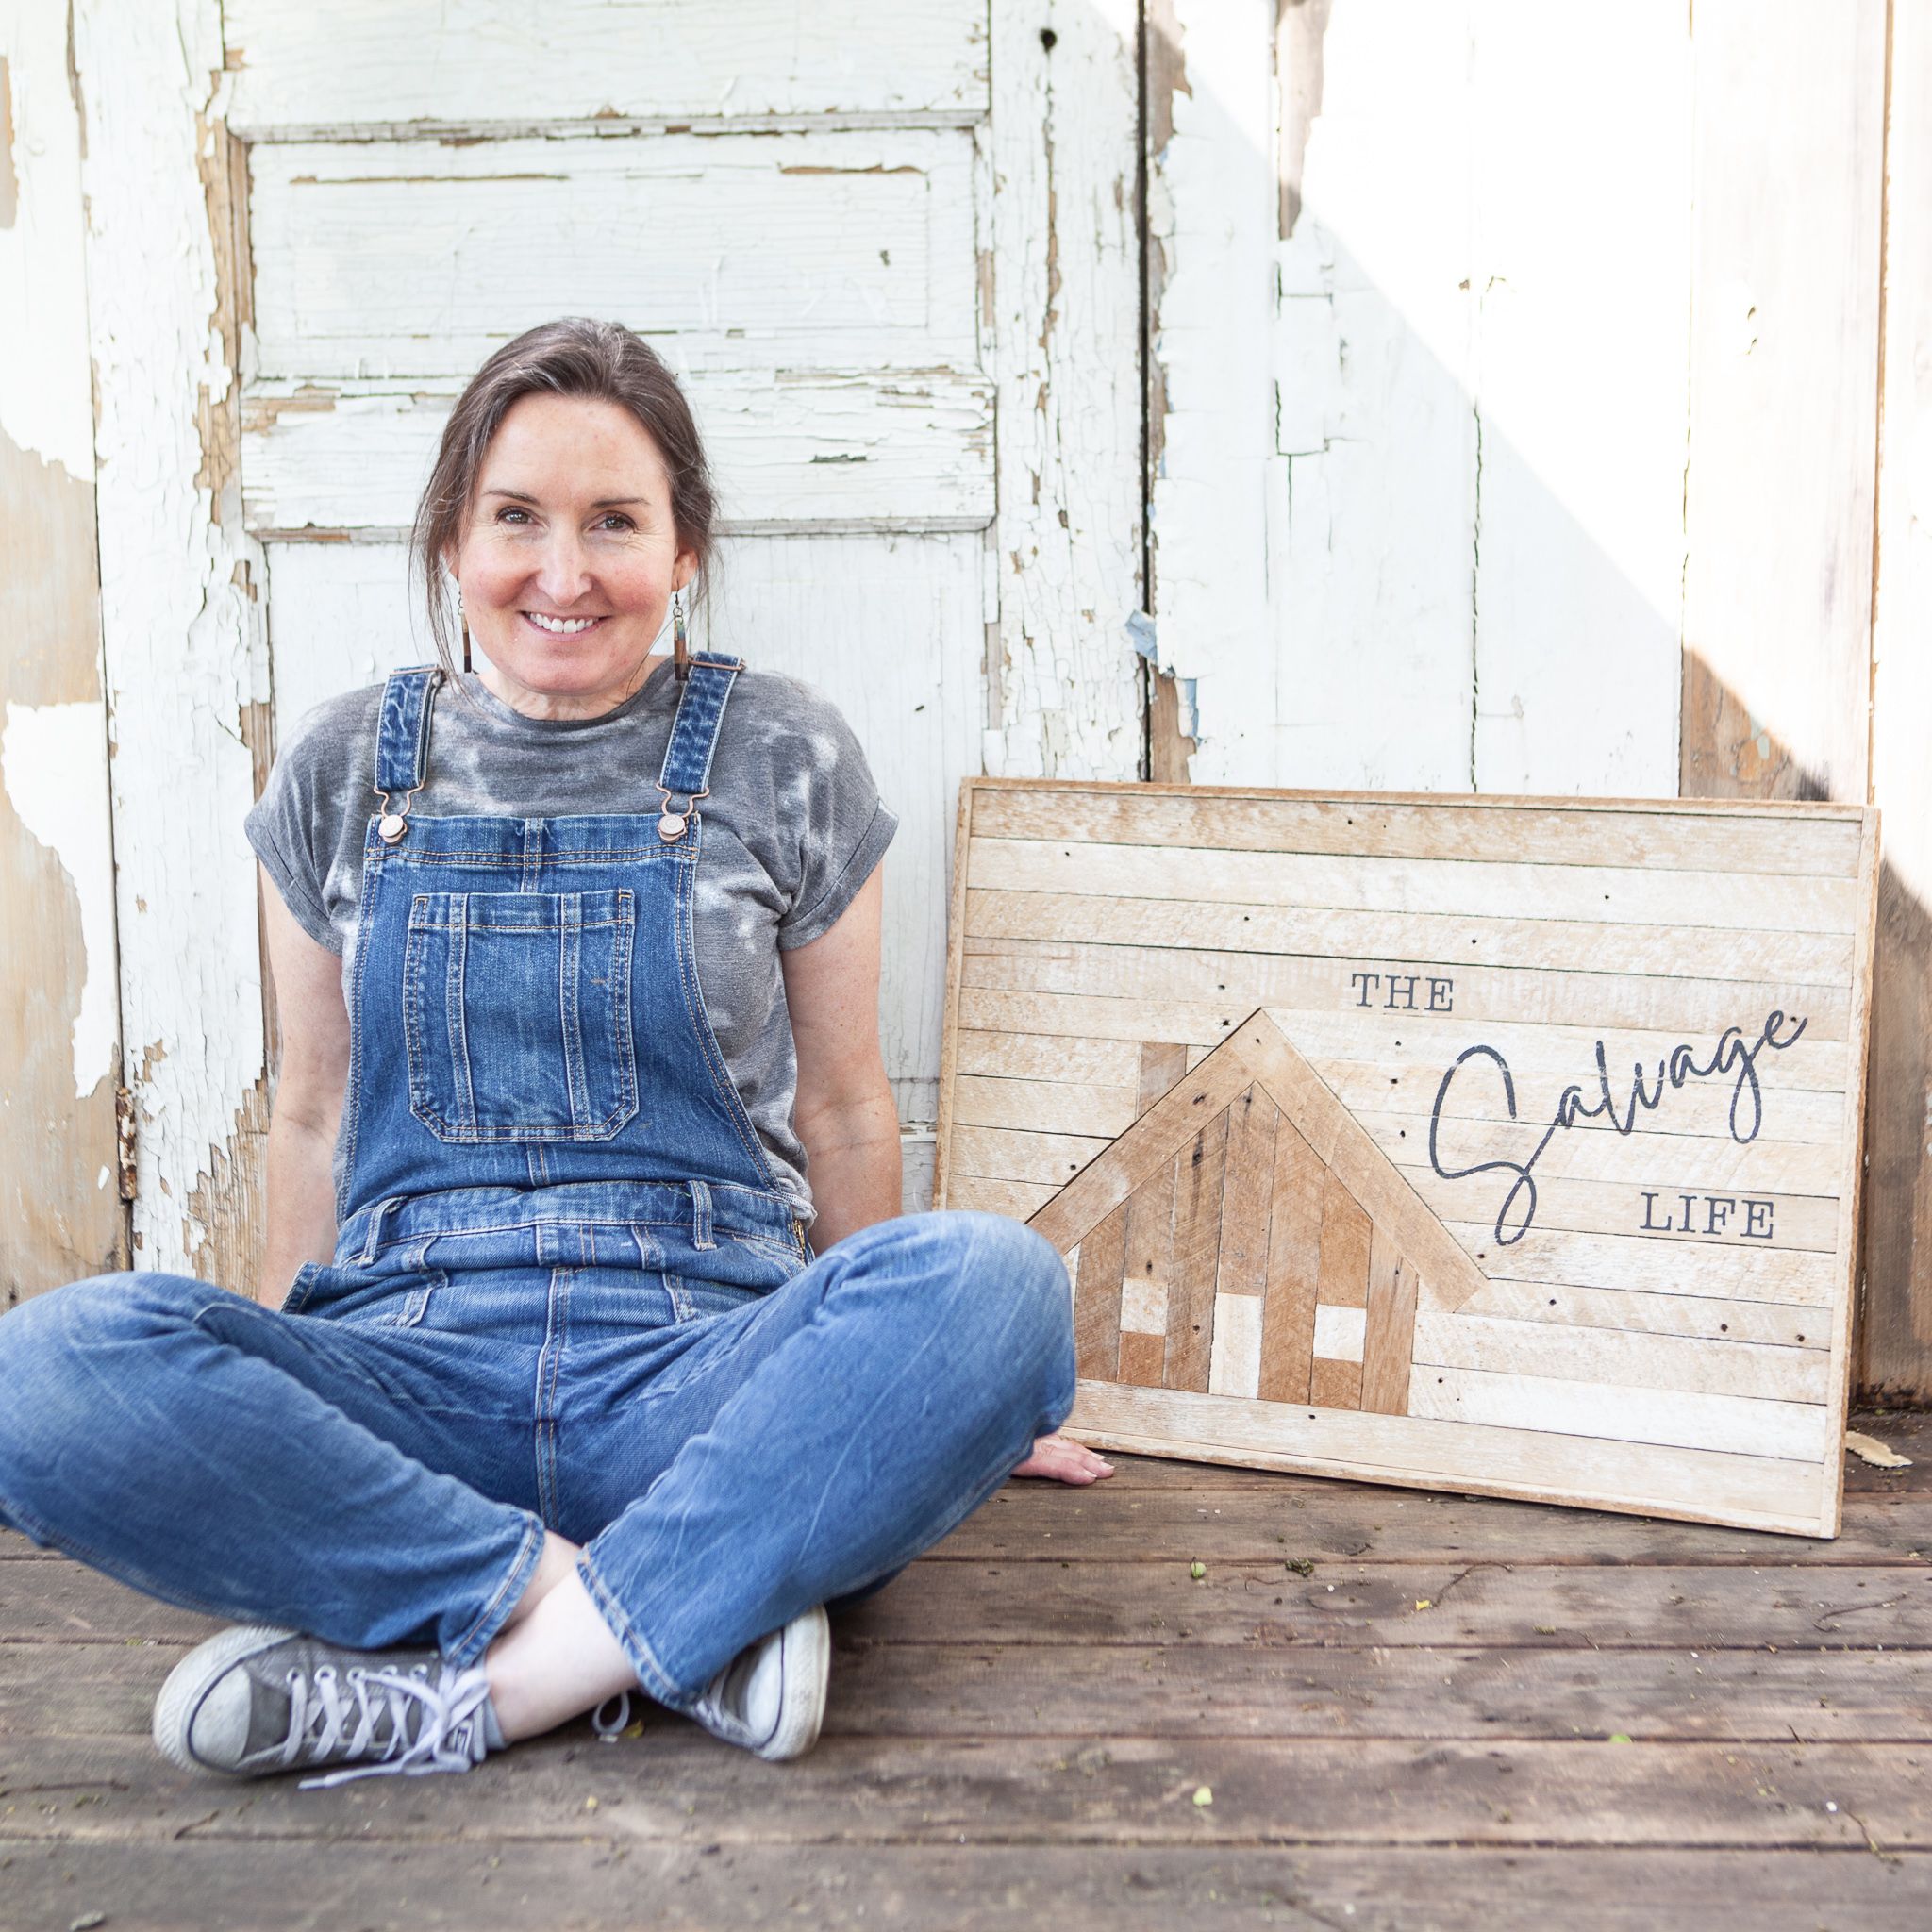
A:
{"points": [[371, 62]]}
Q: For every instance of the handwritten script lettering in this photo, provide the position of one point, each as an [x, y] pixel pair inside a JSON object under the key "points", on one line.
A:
{"points": [[1732, 1053]]}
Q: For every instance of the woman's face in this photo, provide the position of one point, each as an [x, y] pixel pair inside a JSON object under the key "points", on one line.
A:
{"points": [[569, 556]]}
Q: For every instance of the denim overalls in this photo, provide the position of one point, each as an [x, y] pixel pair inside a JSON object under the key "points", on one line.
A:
{"points": [[559, 1065], [566, 1294]]}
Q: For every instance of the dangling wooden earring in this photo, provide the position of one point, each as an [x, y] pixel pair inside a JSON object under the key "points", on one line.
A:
{"points": [[680, 663], [465, 623]]}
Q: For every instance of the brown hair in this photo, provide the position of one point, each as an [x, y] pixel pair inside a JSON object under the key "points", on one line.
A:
{"points": [[571, 356]]}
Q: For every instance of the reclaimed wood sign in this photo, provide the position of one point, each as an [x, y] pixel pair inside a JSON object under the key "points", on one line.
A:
{"points": [[1501, 1145]]}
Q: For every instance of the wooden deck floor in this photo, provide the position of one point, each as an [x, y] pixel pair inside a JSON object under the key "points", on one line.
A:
{"points": [[1410, 1713]]}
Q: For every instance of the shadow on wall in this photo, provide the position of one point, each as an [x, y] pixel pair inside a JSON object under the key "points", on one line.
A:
{"points": [[1737, 756], [1432, 600]]}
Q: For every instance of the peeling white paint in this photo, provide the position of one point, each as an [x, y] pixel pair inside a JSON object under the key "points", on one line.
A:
{"points": [[1467, 363], [466, 61], [1064, 692], [821, 447], [54, 765], [1212, 194], [183, 646], [44, 402]]}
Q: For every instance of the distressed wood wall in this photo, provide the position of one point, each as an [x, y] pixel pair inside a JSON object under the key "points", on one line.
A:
{"points": [[1502, 389], [1897, 1306], [1515, 425], [273, 362], [61, 1214]]}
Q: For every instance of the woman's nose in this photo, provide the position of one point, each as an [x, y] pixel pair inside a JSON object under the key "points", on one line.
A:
{"points": [[563, 574]]}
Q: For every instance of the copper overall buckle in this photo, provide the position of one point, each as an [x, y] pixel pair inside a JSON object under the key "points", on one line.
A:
{"points": [[670, 824]]}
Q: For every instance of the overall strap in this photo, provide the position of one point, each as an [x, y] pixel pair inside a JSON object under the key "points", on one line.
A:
{"points": [[694, 730], [402, 744]]}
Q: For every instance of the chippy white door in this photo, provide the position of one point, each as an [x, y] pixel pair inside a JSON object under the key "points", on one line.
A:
{"points": [[893, 253]]}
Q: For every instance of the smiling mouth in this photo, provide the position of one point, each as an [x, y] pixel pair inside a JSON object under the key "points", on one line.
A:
{"points": [[560, 626]]}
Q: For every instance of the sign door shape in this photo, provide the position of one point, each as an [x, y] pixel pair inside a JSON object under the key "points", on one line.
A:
{"points": [[1246, 1237]]}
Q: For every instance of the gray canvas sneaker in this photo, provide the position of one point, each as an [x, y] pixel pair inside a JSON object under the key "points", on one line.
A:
{"points": [[255, 1700], [770, 1699]]}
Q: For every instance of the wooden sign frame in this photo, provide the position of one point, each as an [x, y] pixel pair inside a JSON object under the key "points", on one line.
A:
{"points": [[1504, 1145]]}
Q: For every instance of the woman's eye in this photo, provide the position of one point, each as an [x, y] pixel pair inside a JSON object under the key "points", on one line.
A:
{"points": [[616, 521], [510, 512]]}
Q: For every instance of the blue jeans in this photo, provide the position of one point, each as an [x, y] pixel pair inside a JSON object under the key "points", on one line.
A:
{"points": [[381, 1467]]}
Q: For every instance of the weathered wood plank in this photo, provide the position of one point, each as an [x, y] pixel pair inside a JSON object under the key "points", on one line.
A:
{"points": [[1342, 1281], [676, 1785], [1340, 1332], [1390, 1331], [1097, 1296], [61, 1209], [1777, 1324], [1547, 944], [1247, 1605], [1577, 557], [1582, 1354], [1599, 1153], [1810, 1107], [474, 62], [853, 249], [1598, 832], [1615, 895], [1636, 1262], [1757, 1218], [1246, 1194], [1143, 1358], [1754, 1491], [1734, 1425], [1788, 152], [1234, 1365], [1000, 1154], [1043, 1105], [1061, 322], [1163, 1064], [818, 448], [1020, 1199], [944, 1688], [1334, 1383], [1294, 1262], [1178, 1511], [1149, 1264], [218, 1886], [1196, 1250], [1503, 996], [1043, 1056]]}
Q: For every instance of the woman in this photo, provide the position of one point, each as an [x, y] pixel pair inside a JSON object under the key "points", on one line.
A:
{"points": [[560, 1402]]}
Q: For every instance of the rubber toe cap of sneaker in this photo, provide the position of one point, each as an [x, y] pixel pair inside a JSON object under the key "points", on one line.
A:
{"points": [[218, 1731]]}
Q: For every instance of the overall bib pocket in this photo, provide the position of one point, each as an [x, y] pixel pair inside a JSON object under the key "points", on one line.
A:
{"points": [[516, 1012]]}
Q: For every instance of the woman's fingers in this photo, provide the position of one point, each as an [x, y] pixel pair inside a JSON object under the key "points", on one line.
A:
{"points": [[1061, 1459]]}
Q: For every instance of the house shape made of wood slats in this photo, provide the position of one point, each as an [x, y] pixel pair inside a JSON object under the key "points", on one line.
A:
{"points": [[1246, 1237], [1204, 1038]]}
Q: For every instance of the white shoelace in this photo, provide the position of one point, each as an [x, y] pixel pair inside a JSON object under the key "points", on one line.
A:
{"points": [[448, 1715]]}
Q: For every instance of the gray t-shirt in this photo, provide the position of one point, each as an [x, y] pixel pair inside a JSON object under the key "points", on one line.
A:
{"points": [[794, 826]]}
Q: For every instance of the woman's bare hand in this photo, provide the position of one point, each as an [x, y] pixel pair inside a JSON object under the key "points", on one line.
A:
{"points": [[1064, 1460]]}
